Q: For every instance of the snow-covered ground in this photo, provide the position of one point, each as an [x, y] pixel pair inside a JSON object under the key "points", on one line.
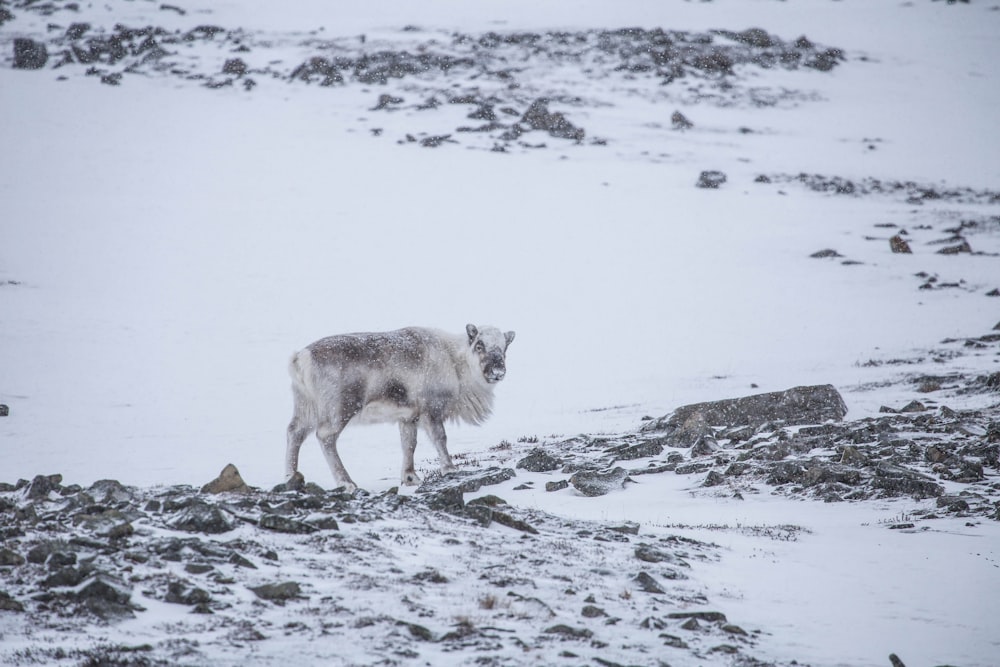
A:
{"points": [[164, 247]]}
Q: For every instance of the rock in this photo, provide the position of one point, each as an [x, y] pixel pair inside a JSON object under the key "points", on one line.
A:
{"points": [[201, 517], [505, 519], [796, 406], [4, 410], [183, 593], [7, 603], [466, 481], [895, 480], [899, 245], [109, 523], [599, 483], [714, 478], [386, 101], [647, 584], [569, 632], [283, 524], [962, 247], [590, 611], [895, 661], [105, 596], [638, 451], [705, 446], [711, 179], [234, 66], [10, 558], [295, 483], [556, 486], [109, 491], [538, 460], [650, 554], [673, 641], [29, 54], [278, 593], [228, 481], [953, 503], [914, 406], [42, 485], [827, 253], [77, 30], [538, 117], [680, 121], [707, 616]]}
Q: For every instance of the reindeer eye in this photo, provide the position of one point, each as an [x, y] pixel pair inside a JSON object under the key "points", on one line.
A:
{"points": [[480, 347]]}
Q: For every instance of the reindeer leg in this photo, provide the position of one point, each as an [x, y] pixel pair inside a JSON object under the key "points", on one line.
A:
{"points": [[328, 434], [435, 429], [408, 438]]}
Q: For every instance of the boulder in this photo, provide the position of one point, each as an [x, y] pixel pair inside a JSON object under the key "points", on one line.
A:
{"points": [[29, 54], [538, 117], [538, 460], [797, 406], [711, 179], [899, 245], [228, 481], [201, 517], [591, 483]]}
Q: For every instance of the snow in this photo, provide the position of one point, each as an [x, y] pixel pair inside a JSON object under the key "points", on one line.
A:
{"points": [[174, 245]]}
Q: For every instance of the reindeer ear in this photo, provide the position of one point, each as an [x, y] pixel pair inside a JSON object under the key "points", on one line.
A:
{"points": [[509, 336], [472, 331]]}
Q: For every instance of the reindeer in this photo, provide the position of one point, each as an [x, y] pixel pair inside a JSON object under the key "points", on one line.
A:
{"points": [[415, 376]]}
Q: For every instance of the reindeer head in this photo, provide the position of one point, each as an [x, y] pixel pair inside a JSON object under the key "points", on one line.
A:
{"points": [[489, 346]]}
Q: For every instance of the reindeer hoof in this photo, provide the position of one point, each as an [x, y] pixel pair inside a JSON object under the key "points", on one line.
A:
{"points": [[448, 469], [411, 479]]}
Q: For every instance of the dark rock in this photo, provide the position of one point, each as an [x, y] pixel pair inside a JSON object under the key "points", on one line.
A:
{"points": [[538, 460], [201, 517], [707, 616], [113, 79], [295, 483], [505, 519], [109, 523], [647, 584], [7, 603], [29, 54], [466, 481], [914, 406], [650, 554], [714, 479], [599, 483], [895, 480], [10, 558], [711, 179], [680, 121], [568, 632], [283, 524], [590, 611], [105, 596], [962, 247], [823, 254], [556, 486], [67, 576], [638, 451], [953, 503], [705, 446], [77, 30], [538, 117], [42, 485], [481, 514], [110, 491], [386, 101], [182, 593], [796, 406], [228, 481], [234, 66], [899, 245], [278, 592], [673, 641], [444, 500], [4, 410], [895, 661], [436, 140], [417, 631]]}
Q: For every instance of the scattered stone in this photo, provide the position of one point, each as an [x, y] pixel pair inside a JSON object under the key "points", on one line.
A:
{"points": [[899, 245], [568, 632], [234, 66], [42, 486], [711, 179], [641, 450], [680, 121], [4, 410], [505, 519], [466, 481], [714, 478], [539, 460], [962, 247], [705, 446], [826, 253], [556, 486], [228, 481], [647, 584], [295, 483], [278, 593], [9, 558], [590, 611], [895, 661], [7, 603], [283, 524], [201, 517], [599, 483], [538, 117], [914, 406], [650, 554], [707, 616], [29, 54]]}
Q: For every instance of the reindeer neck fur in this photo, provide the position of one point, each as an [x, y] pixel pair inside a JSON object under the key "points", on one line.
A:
{"points": [[474, 402]]}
